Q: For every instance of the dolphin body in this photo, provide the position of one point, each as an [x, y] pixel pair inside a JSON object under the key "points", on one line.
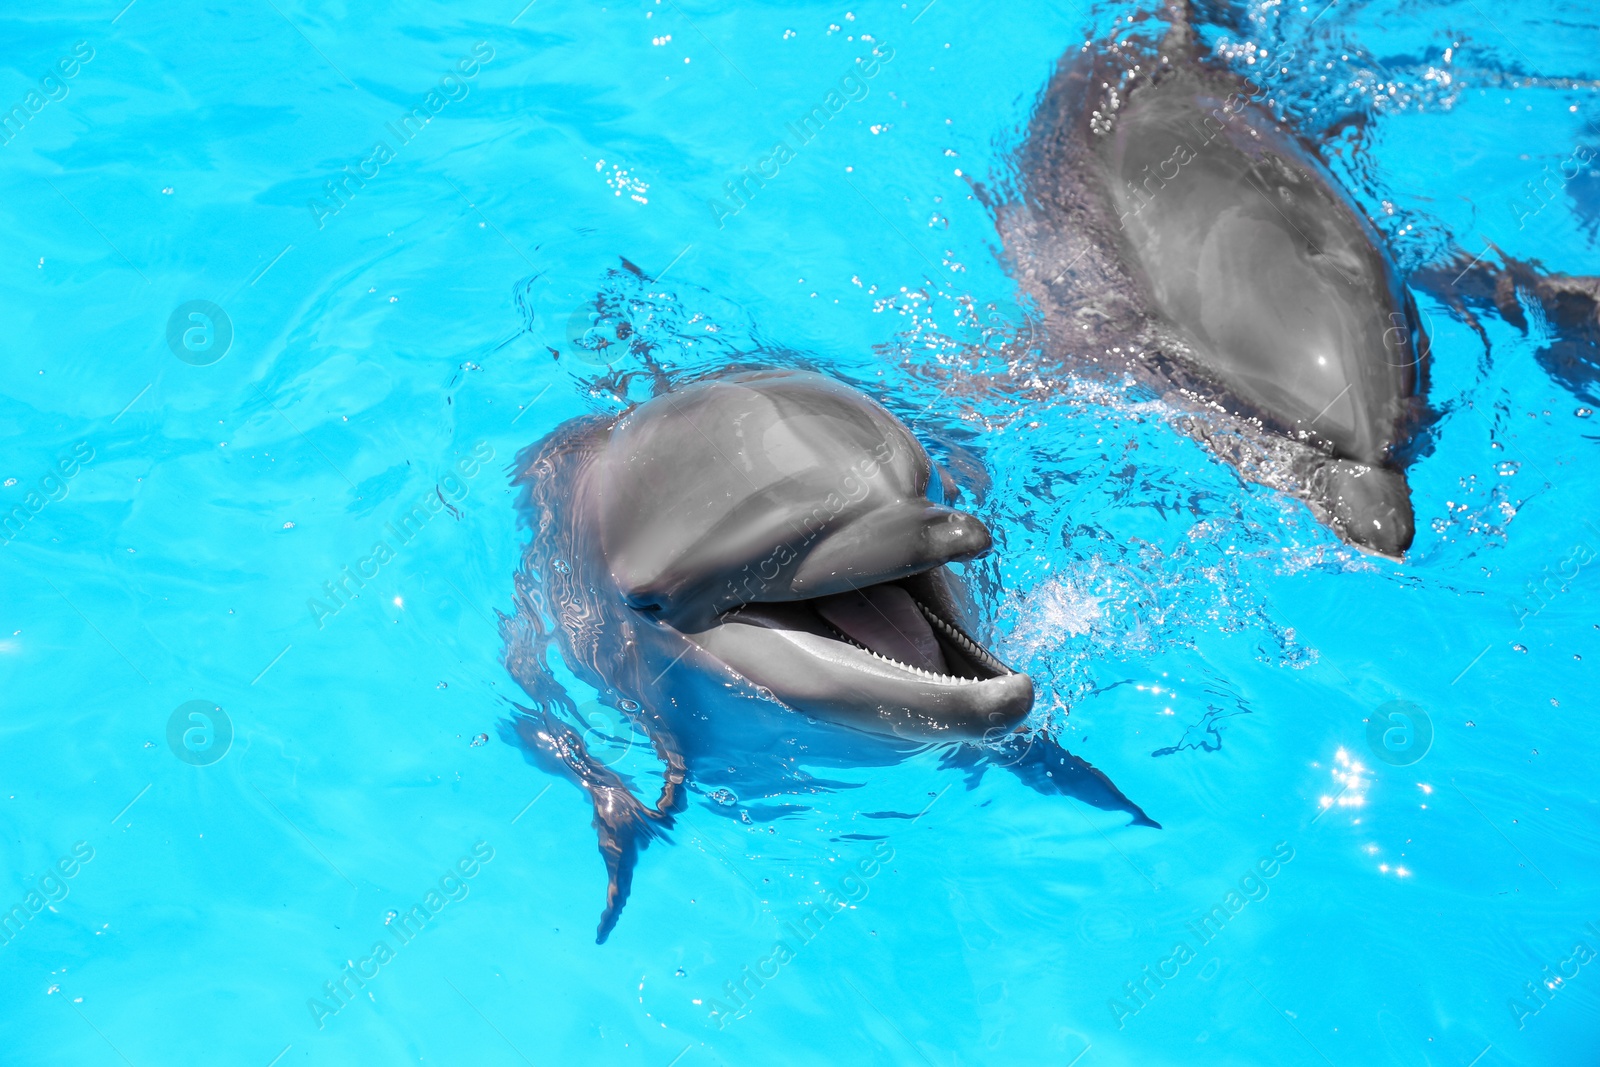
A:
{"points": [[737, 551], [1172, 228]]}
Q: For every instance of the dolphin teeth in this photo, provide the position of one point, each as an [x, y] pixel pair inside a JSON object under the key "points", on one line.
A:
{"points": [[847, 639], [963, 642], [974, 650]]}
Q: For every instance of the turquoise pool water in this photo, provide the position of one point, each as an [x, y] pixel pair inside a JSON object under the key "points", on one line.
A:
{"points": [[262, 319]]}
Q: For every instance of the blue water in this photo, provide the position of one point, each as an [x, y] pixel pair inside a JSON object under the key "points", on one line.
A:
{"points": [[1203, 641]]}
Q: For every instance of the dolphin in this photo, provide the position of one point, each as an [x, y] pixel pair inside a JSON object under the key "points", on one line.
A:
{"points": [[1560, 311], [749, 568], [1170, 227]]}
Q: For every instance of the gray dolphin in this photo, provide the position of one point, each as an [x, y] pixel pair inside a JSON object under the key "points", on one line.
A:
{"points": [[1171, 227], [1562, 311], [733, 552]]}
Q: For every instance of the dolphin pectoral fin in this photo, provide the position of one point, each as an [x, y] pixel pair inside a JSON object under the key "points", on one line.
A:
{"points": [[671, 799], [1471, 286], [1370, 507], [622, 833], [1569, 306], [1045, 766], [1565, 308], [624, 824]]}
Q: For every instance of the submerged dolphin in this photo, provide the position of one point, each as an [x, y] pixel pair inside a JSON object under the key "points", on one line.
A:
{"points": [[1561, 311], [737, 551], [1172, 227]]}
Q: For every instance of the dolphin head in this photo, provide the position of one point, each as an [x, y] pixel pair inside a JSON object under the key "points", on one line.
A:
{"points": [[1278, 285], [780, 521]]}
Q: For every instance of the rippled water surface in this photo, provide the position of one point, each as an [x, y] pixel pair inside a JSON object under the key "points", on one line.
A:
{"points": [[239, 739]]}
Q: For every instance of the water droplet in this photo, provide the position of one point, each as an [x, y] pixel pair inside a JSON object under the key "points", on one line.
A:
{"points": [[1520, 648], [441, 685], [628, 705], [724, 797], [1584, 413], [678, 973], [481, 739], [561, 567]]}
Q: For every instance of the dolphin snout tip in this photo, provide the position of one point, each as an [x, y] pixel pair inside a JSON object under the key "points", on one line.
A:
{"points": [[1371, 507], [1007, 706], [1387, 535], [959, 536]]}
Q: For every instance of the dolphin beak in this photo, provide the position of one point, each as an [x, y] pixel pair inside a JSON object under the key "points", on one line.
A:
{"points": [[890, 543], [1370, 507]]}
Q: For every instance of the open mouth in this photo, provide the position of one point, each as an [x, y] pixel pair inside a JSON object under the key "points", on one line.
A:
{"points": [[889, 621], [888, 657], [900, 623]]}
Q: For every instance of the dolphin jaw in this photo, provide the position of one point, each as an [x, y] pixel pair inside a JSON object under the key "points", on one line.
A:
{"points": [[949, 633], [788, 649], [804, 621]]}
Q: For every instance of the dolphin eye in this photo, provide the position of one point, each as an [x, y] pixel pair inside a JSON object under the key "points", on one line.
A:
{"points": [[638, 603]]}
